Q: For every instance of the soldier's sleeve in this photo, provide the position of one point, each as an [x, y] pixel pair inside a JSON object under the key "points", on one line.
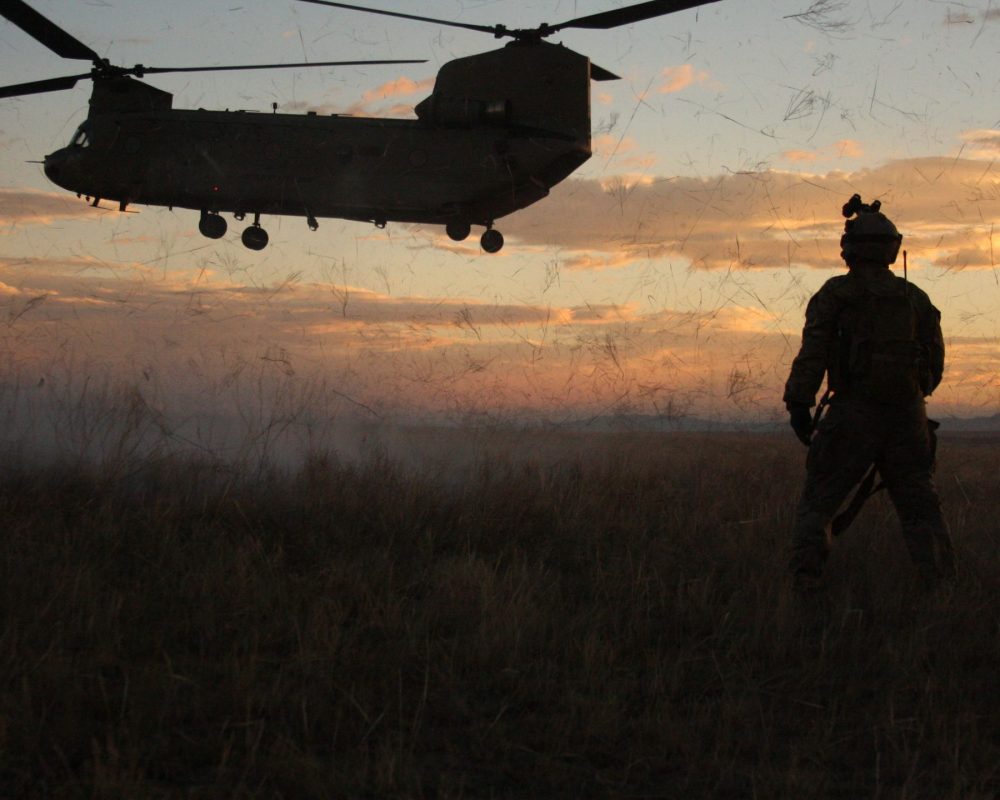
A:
{"points": [[818, 337], [933, 341]]}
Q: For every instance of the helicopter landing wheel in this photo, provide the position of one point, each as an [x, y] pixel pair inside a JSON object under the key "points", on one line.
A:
{"points": [[255, 238], [458, 230], [212, 225], [491, 241]]}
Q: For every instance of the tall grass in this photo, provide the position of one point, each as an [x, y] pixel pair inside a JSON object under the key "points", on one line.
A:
{"points": [[509, 615]]}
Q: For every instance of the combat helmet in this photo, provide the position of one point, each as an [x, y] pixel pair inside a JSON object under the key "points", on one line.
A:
{"points": [[870, 237]]}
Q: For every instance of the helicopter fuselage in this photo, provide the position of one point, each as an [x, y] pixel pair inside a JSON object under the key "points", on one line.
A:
{"points": [[498, 131], [357, 168]]}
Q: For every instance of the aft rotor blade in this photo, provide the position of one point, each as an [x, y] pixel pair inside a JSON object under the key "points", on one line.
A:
{"points": [[598, 73], [492, 29], [141, 70], [625, 16], [45, 31], [37, 87]]}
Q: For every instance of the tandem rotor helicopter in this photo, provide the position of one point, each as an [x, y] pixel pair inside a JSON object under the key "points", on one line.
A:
{"points": [[497, 132]]}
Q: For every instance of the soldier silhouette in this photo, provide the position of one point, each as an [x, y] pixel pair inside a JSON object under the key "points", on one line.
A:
{"points": [[877, 339]]}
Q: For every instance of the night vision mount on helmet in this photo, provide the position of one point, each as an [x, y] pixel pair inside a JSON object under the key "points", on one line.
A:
{"points": [[870, 237]]}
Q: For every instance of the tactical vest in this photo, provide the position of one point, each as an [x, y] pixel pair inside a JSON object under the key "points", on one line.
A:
{"points": [[880, 355]]}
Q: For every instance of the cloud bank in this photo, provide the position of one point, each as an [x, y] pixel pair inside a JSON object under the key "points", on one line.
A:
{"points": [[946, 207], [197, 322], [176, 333], [22, 206]]}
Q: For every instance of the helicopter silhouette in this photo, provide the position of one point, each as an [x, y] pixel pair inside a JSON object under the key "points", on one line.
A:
{"points": [[497, 132]]}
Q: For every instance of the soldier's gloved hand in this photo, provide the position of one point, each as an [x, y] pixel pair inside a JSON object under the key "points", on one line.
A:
{"points": [[801, 420]]}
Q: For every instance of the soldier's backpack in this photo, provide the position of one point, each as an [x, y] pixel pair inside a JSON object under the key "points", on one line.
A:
{"points": [[884, 354]]}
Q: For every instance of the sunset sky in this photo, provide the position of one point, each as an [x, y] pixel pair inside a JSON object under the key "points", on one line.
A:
{"points": [[668, 275]]}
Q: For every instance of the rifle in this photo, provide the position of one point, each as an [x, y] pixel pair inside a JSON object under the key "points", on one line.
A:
{"points": [[843, 520], [867, 487], [824, 401]]}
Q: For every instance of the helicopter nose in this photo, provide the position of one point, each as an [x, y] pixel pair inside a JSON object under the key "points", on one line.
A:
{"points": [[55, 167]]}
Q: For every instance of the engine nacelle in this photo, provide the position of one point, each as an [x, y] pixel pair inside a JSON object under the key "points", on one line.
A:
{"points": [[462, 112], [544, 87]]}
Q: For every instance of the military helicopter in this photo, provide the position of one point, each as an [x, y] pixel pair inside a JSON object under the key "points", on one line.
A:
{"points": [[496, 133]]}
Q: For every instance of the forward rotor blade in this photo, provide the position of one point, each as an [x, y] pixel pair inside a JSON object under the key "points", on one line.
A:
{"points": [[37, 87], [141, 70], [57, 84], [451, 23], [625, 16], [48, 33]]}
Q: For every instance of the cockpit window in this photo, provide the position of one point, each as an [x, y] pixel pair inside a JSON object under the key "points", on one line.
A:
{"points": [[82, 136]]}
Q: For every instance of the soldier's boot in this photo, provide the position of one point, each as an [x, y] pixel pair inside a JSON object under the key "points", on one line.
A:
{"points": [[811, 543], [930, 549], [811, 610], [944, 556]]}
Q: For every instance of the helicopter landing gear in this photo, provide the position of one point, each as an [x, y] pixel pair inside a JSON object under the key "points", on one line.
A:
{"points": [[491, 241], [458, 230], [212, 225], [255, 237]]}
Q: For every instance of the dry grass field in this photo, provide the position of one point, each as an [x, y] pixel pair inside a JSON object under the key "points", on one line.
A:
{"points": [[492, 614]]}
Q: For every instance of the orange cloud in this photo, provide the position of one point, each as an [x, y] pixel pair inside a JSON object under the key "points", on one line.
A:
{"points": [[985, 143], [372, 102], [845, 148], [598, 261], [678, 78], [400, 87], [606, 145], [40, 208], [623, 152], [849, 148]]}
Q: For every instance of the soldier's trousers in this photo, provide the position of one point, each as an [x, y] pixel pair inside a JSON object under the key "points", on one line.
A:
{"points": [[852, 436]]}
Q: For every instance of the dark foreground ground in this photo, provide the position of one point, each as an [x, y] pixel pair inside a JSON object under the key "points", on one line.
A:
{"points": [[507, 616]]}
